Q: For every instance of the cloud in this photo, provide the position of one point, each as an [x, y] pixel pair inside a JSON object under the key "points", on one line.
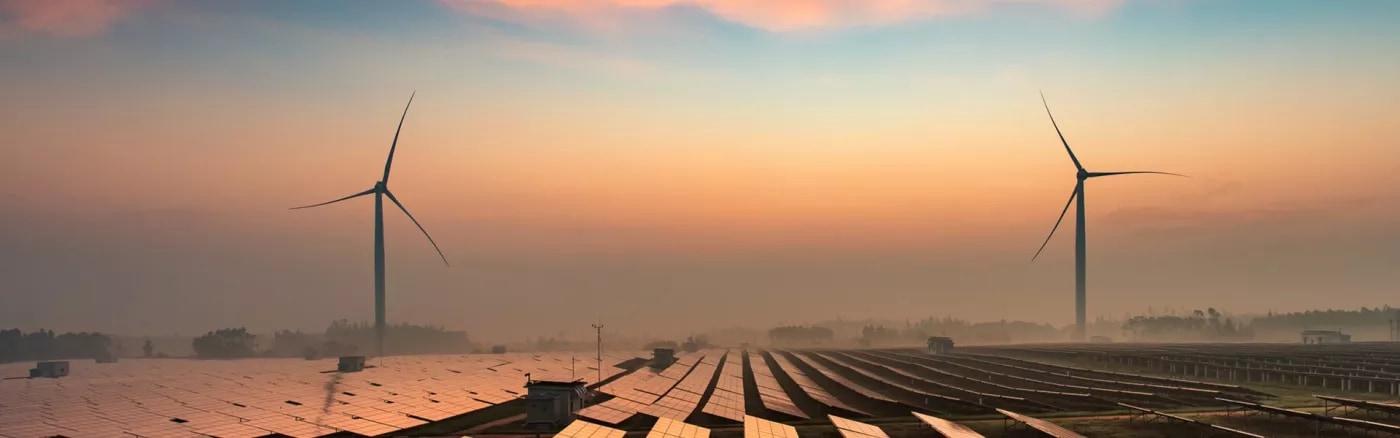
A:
{"points": [[772, 15], [65, 18]]}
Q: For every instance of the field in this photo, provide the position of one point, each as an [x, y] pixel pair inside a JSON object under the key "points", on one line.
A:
{"points": [[1119, 390]]}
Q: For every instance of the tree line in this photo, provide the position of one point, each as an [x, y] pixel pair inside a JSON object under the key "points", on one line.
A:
{"points": [[16, 346], [1207, 325], [341, 338], [1330, 319]]}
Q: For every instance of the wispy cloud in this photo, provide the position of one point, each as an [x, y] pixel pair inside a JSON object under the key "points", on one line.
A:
{"points": [[65, 18], [772, 15]]}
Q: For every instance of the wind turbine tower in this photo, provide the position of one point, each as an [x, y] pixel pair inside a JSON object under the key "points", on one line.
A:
{"points": [[381, 191], [1081, 175]]}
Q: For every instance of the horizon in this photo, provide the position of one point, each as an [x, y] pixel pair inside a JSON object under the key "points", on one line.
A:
{"points": [[690, 165]]}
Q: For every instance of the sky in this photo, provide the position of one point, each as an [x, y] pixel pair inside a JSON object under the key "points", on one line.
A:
{"points": [[670, 166]]}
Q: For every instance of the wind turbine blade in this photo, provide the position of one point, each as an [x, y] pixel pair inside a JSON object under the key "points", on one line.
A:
{"points": [[1057, 221], [390, 162], [366, 192], [420, 226], [1061, 134], [1098, 174]]}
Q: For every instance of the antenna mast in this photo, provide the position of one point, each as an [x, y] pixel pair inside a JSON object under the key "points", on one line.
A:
{"points": [[599, 328]]}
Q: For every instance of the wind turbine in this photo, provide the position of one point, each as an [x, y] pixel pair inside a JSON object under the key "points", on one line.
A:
{"points": [[380, 191], [1081, 175]]}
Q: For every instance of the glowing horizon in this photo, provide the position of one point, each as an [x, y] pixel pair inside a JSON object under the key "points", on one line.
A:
{"points": [[754, 149]]}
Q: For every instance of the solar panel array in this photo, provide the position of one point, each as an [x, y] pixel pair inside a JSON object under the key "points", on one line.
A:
{"points": [[638, 391], [682, 400], [854, 429], [727, 400], [668, 428], [843, 381], [257, 397], [808, 386], [772, 393]]}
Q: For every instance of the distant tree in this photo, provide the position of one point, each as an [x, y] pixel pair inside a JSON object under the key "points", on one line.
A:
{"points": [[399, 338], [660, 344], [800, 335], [287, 343], [231, 343], [147, 350]]}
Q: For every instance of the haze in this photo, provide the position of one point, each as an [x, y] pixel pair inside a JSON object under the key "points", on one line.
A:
{"points": [[679, 166]]}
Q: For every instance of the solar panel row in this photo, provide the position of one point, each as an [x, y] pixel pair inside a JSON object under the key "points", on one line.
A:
{"points": [[807, 385], [727, 400], [769, 390]]}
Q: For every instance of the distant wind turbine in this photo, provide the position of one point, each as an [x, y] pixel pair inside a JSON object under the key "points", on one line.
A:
{"points": [[381, 190], [1078, 193]]}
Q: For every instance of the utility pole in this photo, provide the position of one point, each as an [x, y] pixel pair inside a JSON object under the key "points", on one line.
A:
{"points": [[599, 328], [1395, 326]]}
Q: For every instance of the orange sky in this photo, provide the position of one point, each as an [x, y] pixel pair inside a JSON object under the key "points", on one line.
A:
{"points": [[905, 154]]}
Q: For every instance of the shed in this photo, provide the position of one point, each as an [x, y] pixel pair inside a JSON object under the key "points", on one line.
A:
{"points": [[1325, 337], [661, 357], [553, 403], [940, 345], [351, 364], [52, 369]]}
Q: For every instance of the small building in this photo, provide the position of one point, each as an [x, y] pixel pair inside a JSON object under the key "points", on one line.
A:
{"points": [[661, 357], [51, 370], [1325, 337], [351, 364], [498, 349], [940, 345], [553, 404]]}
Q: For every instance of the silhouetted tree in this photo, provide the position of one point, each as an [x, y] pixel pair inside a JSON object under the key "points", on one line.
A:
{"points": [[287, 343], [147, 350], [231, 343]]}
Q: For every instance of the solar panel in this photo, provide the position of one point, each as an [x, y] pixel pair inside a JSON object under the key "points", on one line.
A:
{"points": [[584, 429], [1047, 427], [668, 428], [855, 429], [947, 428], [755, 427]]}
